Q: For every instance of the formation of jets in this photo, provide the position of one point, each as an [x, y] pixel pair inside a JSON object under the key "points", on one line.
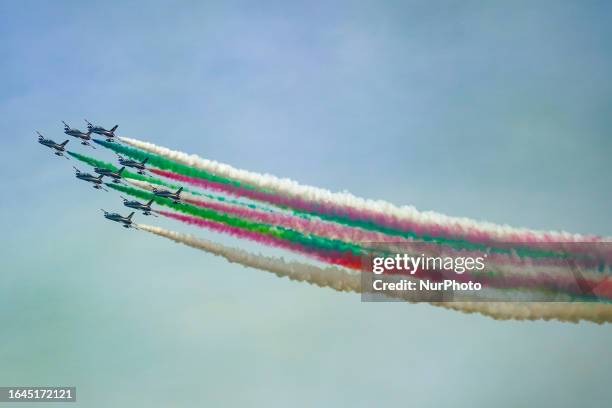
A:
{"points": [[97, 179]]}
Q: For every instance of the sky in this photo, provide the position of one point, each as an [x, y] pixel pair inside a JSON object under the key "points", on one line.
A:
{"points": [[497, 111]]}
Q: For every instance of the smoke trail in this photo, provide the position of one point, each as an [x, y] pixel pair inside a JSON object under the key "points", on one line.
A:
{"points": [[564, 312], [360, 236], [271, 241], [342, 280], [104, 165], [365, 238], [345, 204], [152, 180], [334, 248], [333, 277], [495, 276], [520, 273], [346, 215], [547, 251], [191, 196], [304, 225], [524, 249]]}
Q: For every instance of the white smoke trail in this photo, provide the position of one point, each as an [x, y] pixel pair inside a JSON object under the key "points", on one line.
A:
{"points": [[346, 281], [332, 277], [409, 213], [525, 268]]}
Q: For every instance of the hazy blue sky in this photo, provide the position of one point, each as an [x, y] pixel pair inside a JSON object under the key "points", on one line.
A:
{"points": [[498, 111]]}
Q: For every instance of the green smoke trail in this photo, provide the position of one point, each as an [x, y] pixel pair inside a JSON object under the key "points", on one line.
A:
{"points": [[312, 241], [169, 165], [126, 173], [290, 235], [153, 180], [455, 243]]}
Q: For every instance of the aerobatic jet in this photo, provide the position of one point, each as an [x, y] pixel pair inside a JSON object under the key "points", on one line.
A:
{"points": [[59, 148], [137, 205], [115, 175], [85, 137], [97, 181], [176, 197], [99, 130], [126, 222], [139, 165]]}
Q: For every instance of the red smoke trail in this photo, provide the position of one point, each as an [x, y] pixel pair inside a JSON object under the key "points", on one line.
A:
{"points": [[500, 281], [347, 261], [363, 237], [419, 229]]}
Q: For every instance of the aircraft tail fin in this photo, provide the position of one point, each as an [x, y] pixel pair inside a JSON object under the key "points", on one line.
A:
{"points": [[64, 143], [129, 217], [145, 160], [178, 192], [114, 128], [150, 202], [121, 170]]}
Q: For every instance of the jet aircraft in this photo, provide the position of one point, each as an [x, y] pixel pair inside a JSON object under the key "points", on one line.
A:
{"points": [[126, 222], [85, 137], [137, 205], [139, 165], [99, 130], [97, 181], [176, 197], [115, 175], [59, 148]]}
